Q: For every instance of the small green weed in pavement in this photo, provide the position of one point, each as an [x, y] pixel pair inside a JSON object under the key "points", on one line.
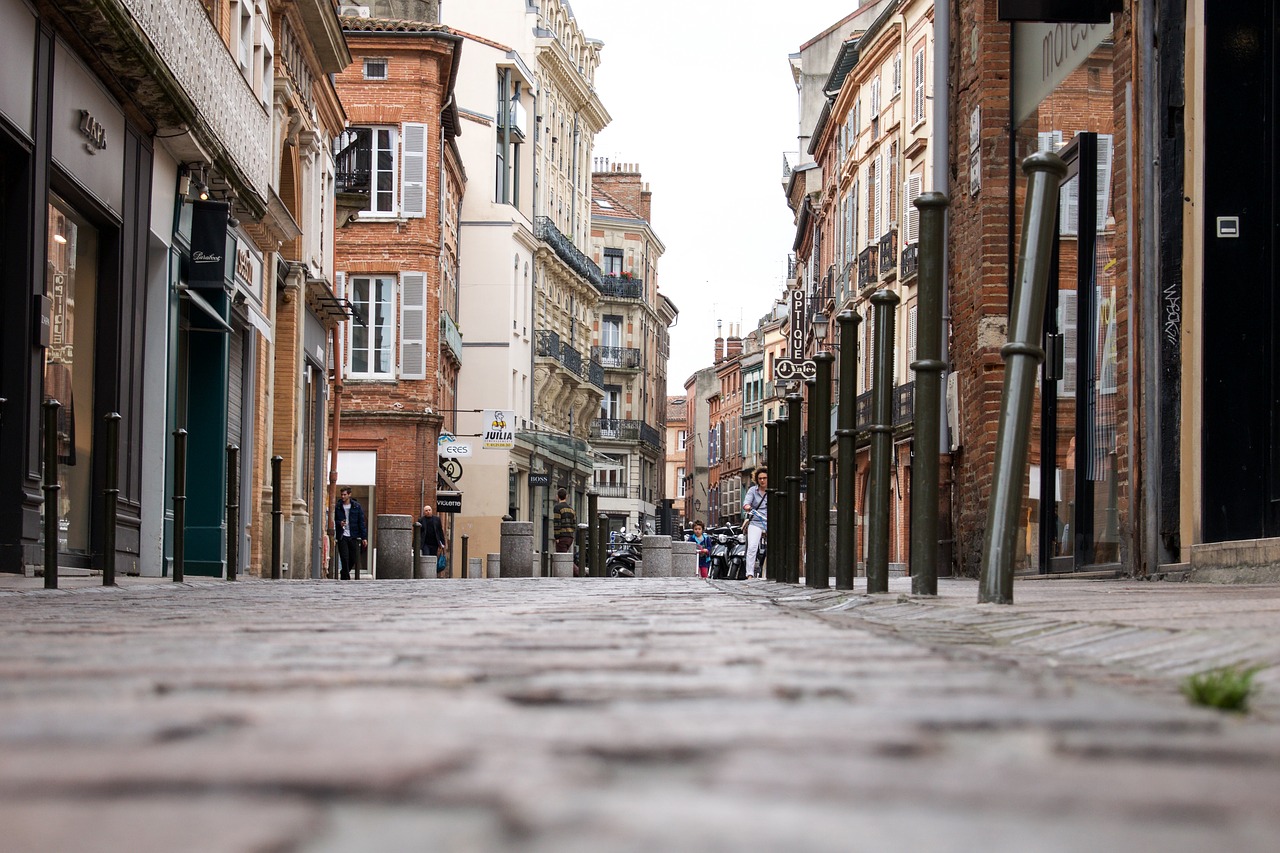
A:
{"points": [[1227, 688]]}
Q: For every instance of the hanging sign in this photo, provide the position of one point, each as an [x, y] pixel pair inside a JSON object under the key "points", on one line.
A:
{"points": [[208, 243], [498, 429]]}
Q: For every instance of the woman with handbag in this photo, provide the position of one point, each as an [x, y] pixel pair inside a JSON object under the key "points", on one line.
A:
{"points": [[433, 541], [756, 508]]}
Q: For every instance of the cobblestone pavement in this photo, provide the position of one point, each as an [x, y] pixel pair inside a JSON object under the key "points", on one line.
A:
{"points": [[588, 715]]}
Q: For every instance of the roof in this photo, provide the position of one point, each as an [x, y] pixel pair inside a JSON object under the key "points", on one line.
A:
{"points": [[604, 204], [390, 25], [845, 60], [677, 409]]}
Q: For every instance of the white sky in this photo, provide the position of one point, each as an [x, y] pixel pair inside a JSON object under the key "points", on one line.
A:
{"points": [[702, 100]]}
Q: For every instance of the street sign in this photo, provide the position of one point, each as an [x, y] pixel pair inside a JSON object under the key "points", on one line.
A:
{"points": [[457, 449], [793, 370], [498, 429], [539, 479], [450, 502], [796, 326]]}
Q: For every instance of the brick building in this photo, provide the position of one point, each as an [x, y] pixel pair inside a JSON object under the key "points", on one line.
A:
{"points": [[397, 256]]}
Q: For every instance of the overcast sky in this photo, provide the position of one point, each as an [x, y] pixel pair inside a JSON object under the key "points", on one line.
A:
{"points": [[702, 100]]}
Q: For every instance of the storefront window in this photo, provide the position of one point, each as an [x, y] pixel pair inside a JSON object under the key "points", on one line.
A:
{"points": [[72, 287]]}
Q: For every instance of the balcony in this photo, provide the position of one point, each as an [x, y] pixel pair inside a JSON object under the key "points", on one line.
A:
{"points": [[910, 261], [618, 287], [904, 404], [614, 490], [547, 343], [618, 429], [620, 358], [595, 374], [888, 251], [547, 232], [451, 337], [571, 358], [868, 269], [863, 415]]}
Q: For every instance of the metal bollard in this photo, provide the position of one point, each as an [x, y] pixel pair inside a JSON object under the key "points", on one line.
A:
{"points": [[593, 547], [846, 452], [780, 512], [928, 394], [179, 505], [111, 499], [417, 550], [775, 514], [819, 574], [1022, 356], [233, 512], [807, 470], [602, 545], [465, 571], [579, 555], [51, 488], [794, 478], [277, 525], [884, 302]]}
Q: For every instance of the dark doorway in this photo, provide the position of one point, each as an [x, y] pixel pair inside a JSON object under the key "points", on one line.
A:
{"points": [[1241, 408]]}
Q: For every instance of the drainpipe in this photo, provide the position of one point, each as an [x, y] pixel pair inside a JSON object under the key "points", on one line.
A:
{"points": [[573, 210], [504, 105], [941, 181]]}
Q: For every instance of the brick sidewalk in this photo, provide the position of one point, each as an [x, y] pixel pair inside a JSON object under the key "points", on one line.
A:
{"points": [[568, 715]]}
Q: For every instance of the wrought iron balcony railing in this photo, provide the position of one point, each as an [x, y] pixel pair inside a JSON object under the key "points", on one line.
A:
{"points": [[617, 287], [619, 429], [904, 404], [595, 373], [888, 251], [910, 261], [868, 270], [547, 343], [627, 358], [862, 419], [545, 230]]}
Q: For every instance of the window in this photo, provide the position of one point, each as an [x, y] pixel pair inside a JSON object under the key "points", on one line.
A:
{"points": [[613, 262], [680, 483], [891, 185], [873, 201], [375, 69], [910, 213], [367, 163], [373, 298], [611, 403], [1069, 198], [897, 74], [875, 109], [917, 80]]}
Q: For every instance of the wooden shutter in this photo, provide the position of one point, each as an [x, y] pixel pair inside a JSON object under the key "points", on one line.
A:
{"points": [[910, 213], [911, 336], [1067, 328], [413, 325], [876, 202], [413, 169], [1106, 147], [917, 109]]}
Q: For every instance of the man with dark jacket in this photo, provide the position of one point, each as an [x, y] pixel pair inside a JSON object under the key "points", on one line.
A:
{"points": [[353, 535], [433, 541]]}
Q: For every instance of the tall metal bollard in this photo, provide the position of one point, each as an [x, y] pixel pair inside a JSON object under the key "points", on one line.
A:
{"points": [[928, 368], [602, 545], [277, 521], [808, 471], [794, 478], [465, 571], [417, 550], [111, 499], [51, 488], [179, 505], [846, 452], [233, 512], [1022, 356], [883, 303], [779, 511], [581, 536], [820, 462], [776, 512], [591, 569]]}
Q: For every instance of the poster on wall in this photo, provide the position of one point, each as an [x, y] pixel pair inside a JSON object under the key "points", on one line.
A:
{"points": [[499, 430]]}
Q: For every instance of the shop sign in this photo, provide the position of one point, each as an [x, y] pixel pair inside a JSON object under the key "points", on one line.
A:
{"points": [[499, 429], [1043, 56], [208, 243], [450, 502], [249, 269], [539, 479], [92, 130]]}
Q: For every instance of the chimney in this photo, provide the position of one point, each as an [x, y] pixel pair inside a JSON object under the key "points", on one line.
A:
{"points": [[719, 344], [646, 202], [733, 345]]}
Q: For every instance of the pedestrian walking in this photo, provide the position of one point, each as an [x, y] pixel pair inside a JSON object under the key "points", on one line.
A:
{"points": [[433, 542], [756, 508], [700, 538], [353, 533], [566, 525]]}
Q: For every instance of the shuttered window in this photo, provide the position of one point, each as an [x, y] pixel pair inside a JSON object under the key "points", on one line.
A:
{"points": [[917, 100], [413, 157], [911, 336], [1067, 328], [910, 213], [373, 335], [413, 325]]}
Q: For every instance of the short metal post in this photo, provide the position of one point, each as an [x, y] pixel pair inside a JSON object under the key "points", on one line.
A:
{"points": [[277, 522], [51, 488], [883, 303], [417, 550], [233, 512], [465, 571], [179, 505], [593, 547], [111, 499], [846, 452], [820, 462], [772, 496], [1022, 356], [928, 394], [780, 512], [810, 451], [602, 545], [794, 478], [581, 536]]}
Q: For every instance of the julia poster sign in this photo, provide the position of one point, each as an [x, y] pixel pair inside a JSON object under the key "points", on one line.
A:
{"points": [[208, 243]]}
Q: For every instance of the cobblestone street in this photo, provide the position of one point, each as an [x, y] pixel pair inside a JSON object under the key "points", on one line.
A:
{"points": [[587, 715]]}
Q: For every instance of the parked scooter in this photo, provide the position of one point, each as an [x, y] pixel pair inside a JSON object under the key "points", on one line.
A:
{"points": [[622, 562], [728, 554]]}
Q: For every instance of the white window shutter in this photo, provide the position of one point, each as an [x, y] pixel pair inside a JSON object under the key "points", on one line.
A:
{"points": [[910, 213], [413, 325], [918, 72], [413, 171], [878, 201], [1067, 328], [911, 336], [1106, 147]]}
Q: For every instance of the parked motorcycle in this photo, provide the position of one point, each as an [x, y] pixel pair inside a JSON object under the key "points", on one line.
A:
{"points": [[728, 554], [622, 562]]}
